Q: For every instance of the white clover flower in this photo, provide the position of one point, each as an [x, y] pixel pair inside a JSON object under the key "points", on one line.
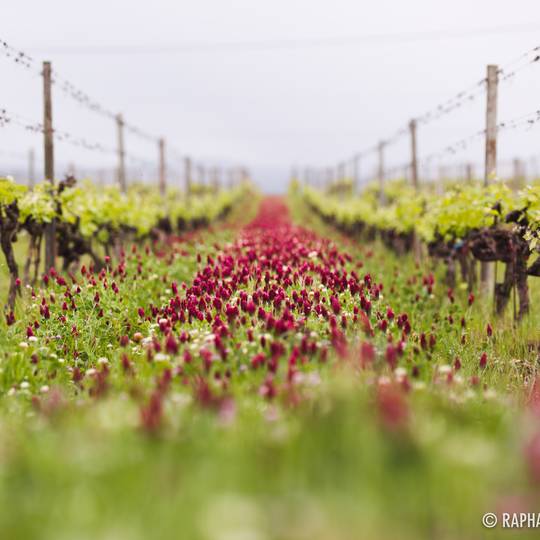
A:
{"points": [[90, 372], [23, 345], [102, 360], [44, 389], [445, 369], [12, 392], [32, 339], [25, 385], [400, 372], [161, 357]]}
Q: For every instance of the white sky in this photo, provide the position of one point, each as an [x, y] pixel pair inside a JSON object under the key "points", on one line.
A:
{"points": [[268, 107]]}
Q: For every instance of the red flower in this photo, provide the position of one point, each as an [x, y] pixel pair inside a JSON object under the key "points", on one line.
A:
{"points": [[367, 354], [336, 306], [392, 406], [126, 364], [258, 360], [483, 360], [268, 389], [151, 414], [391, 356]]}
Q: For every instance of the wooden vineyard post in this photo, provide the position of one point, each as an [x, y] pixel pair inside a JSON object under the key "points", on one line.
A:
{"points": [[329, 176], [201, 172], [121, 153], [518, 172], [469, 173], [356, 168], [381, 172], [306, 177], [48, 138], [417, 246], [490, 168], [414, 157], [230, 174], [217, 179], [187, 176], [491, 124], [244, 176], [162, 168], [31, 168]]}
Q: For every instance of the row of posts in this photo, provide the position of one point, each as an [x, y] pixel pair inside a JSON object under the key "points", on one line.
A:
{"points": [[236, 175], [516, 171], [490, 145], [490, 164]]}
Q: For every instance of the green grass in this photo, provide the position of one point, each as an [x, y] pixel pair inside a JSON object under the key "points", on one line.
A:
{"points": [[327, 468]]}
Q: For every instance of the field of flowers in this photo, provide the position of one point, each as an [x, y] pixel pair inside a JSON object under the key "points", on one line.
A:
{"points": [[264, 378]]}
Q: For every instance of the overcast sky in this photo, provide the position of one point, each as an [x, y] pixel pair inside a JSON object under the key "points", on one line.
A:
{"points": [[269, 84]]}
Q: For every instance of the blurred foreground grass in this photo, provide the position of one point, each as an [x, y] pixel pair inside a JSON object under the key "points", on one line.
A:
{"points": [[343, 462]]}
